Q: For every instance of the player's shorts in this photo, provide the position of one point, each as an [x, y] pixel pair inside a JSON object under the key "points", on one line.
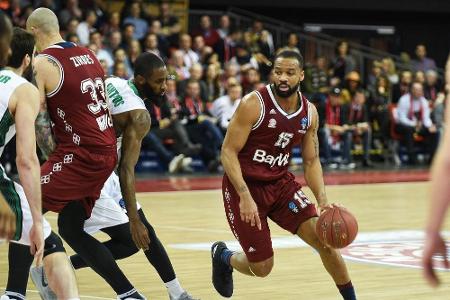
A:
{"points": [[281, 200], [75, 174], [15, 196], [107, 211]]}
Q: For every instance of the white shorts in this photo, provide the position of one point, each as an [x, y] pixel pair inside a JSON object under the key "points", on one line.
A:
{"points": [[109, 209], [15, 196]]}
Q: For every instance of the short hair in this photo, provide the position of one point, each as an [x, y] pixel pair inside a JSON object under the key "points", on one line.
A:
{"points": [[22, 43], [291, 54], [147, 62], [5, 31]]}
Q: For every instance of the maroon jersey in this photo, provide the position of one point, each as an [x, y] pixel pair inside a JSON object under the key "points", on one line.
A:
{"points": [[266, 154], [77, 107]]}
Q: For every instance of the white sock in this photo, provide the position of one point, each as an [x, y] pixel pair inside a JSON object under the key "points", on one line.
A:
{"points": [[174, 288]]}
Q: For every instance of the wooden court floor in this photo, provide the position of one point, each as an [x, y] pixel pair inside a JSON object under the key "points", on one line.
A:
{"points": [[188, 222]]}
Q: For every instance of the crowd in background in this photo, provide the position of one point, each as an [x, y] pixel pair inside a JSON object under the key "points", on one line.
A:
{"points": [[212, 67]]}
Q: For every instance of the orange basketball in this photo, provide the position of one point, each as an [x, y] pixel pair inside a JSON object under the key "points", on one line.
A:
{"points": [[337, 227]]}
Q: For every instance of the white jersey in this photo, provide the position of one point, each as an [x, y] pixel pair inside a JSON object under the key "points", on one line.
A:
{"points": [[122, 96], [12, 191]]}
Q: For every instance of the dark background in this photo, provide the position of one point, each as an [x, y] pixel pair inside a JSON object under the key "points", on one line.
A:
{"points": [[415, 21]]}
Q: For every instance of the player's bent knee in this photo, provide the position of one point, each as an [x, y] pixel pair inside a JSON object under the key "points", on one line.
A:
{"points": [[262, 269]]}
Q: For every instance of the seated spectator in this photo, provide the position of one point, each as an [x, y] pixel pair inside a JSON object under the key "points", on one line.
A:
{"points": [[120, 57], [250, 79], [203, 51], [133, 52], [71, 11], [71, 27], [73, 38], [351, 85], [402, 87], [224, 107], [413, 113], [316, 79], [127, 35], [114, 42], [244, 57], [85, 28], [112, 25], [224, 26], [432, 85], [196, 73], [358, 124], [372, 78], [336, 118], [378, 103], [140, 25], [292, 43], [120, 70], [151, 44], [212, 80], [423, 62], [189, 56], [388, 69], [200, 127], [177, 67], [419, 76], [170, 26], [102, 54], [163, 43], [344, 63], [210, 35]]}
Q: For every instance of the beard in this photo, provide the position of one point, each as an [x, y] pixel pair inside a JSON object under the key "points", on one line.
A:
{"points": [[287, 93], [149, 94]]}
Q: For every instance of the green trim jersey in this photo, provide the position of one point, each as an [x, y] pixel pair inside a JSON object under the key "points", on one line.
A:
{"points": [[9, 81], [122, 96]]}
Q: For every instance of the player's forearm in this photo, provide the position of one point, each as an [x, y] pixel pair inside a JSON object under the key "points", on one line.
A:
{"points": [[44, 136], [314, 179], [440, 191], [127, 184], [232, 168], [29, 174]]}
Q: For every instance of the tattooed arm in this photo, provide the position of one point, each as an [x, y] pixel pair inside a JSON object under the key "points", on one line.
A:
{"points": [[43, 69], [311, 160]]}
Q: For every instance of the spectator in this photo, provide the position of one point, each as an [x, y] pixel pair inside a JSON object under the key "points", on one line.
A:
{"points": [[120, 57], [344, 62], [423, 62], [432, 86], [200, 127], [419, 76], [120, 70], [336, 118], [224, 26], [196, 73], [376, 71], [102, 54], [212, 80], [133, 52], [163, 43], [230, 70], [292, 43], [352, 84], [71, 37], [210, 35], [86, 27], [127, 35], [189, 56], [224, 107], [203, 51], [316, 79], [402, 87], [358, 124], [414, 120], [72, 26], [388, 69], [170, 26], [112, 25], [151, 45], [256, 31], [244, 57], [115, 42], [71, 11], [177, 67], [250, 79], [379, 100], [140, 25]]}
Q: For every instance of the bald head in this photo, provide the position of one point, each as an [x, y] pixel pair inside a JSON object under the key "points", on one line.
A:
{"points": [[44, 20], [5, 38]]}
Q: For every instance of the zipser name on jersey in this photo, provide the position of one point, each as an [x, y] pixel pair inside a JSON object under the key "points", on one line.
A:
{"points": [[261, 156]]}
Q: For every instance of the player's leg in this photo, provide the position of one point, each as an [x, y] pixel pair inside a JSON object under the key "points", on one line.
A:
{"points": [[99, 258], [19, 261], [331, 258]]}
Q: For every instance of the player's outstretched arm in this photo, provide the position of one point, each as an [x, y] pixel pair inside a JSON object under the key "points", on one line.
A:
{"points": [[246, 115], [7, 220], [41, 70], [440, 197], [311, 160], [26, 99], [138, 125]]}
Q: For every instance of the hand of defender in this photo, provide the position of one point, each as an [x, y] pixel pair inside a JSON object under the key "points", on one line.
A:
{"points": [[139, 234], [249, 211], [434, 244], [37, 242], [7, 221]]}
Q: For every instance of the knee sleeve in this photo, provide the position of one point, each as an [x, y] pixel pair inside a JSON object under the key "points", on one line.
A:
{"points": [[53, 244]]}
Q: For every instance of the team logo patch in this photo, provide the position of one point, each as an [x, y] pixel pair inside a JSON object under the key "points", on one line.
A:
{"points": [[293, 207], [304, 122], [272, 123]]}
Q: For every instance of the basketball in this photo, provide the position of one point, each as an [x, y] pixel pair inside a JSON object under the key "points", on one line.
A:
{"points": [[337, 227]]}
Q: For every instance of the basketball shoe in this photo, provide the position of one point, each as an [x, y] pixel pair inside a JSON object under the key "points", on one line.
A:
{"points": [[222, 274]]}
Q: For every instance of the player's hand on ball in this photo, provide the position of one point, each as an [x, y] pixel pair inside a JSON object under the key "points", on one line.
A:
{"points": [[323, 207], [249, 210], [139, 234], [434, 244]]}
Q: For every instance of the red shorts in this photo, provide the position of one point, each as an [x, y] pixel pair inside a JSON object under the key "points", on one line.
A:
{"points": [[281, 200], [75, 175]]}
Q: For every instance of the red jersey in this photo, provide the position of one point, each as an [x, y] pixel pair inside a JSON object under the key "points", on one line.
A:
{"points": [[266, 154], [77, 107]]}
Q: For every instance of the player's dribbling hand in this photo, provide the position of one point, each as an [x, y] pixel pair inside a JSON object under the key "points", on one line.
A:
{"points": [[434, 244], [37, 242], [249, 211], [7, 221], [139, 234], [323, 207]]}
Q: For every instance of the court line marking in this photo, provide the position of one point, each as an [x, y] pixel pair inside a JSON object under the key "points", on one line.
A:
{"points": [[81, 296]]}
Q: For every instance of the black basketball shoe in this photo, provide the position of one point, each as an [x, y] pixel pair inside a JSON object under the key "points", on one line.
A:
{"points": [[222, 275]]}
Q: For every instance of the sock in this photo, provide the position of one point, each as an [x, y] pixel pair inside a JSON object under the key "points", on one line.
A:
{"points": [[226, 256], [130, 294], [174, 288], [13, 296], [347, 291]]}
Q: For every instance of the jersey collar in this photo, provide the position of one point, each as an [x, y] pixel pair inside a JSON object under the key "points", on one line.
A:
{"points": [[133, 87]]}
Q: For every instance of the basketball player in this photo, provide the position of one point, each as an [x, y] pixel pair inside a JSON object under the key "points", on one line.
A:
{"points": [[7, 217], [131, 120], [19, 106], [70, 82], [257, 184], [440, 197]]}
